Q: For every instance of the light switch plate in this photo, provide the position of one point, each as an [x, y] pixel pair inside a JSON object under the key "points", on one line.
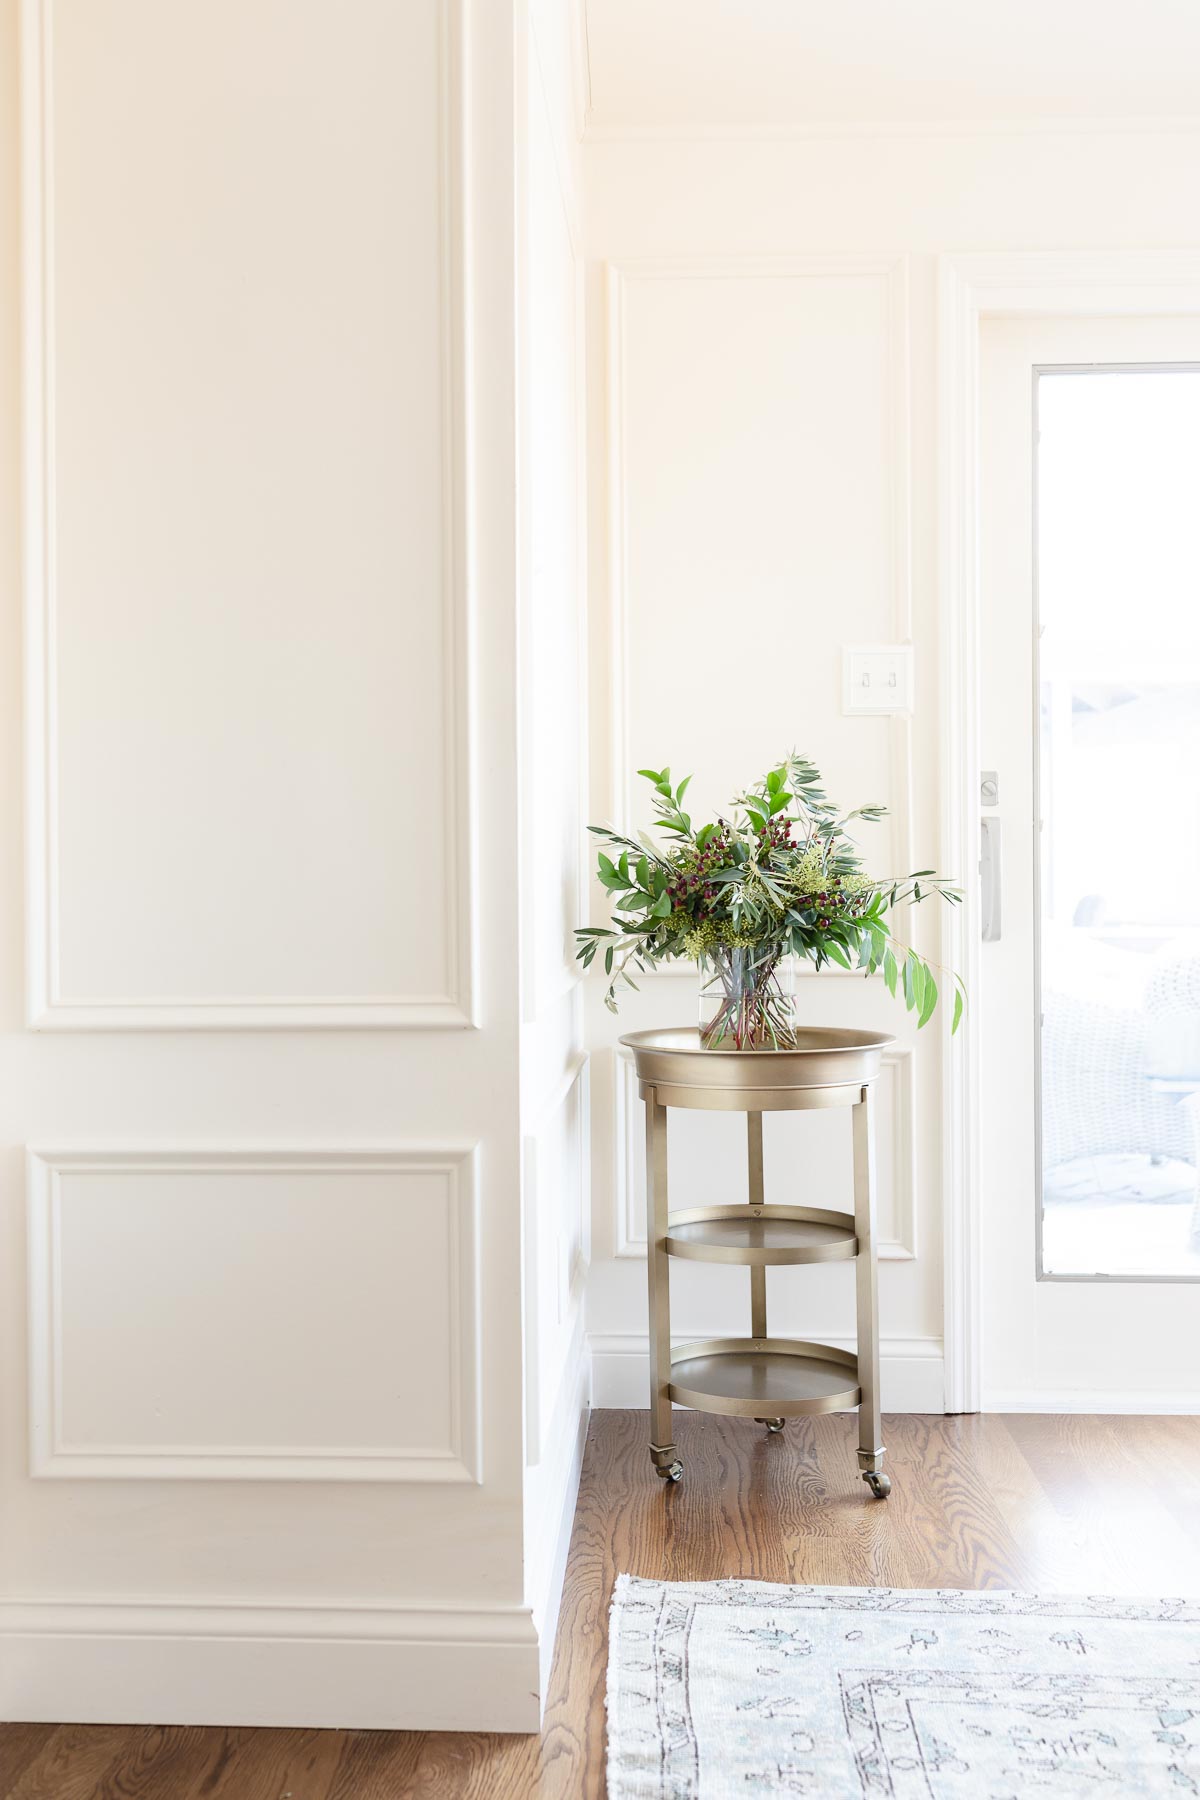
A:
{"points": [[877, 678]]}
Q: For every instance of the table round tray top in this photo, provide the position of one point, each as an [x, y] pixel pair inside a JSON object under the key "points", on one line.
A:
{"points": [[828, 1067]]}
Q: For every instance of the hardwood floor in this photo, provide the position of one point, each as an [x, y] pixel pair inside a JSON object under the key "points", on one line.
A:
{"points": [[1069, 1504]]}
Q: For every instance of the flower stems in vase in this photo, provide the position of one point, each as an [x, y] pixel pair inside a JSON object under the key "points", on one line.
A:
{"points": [[746, 1003]]}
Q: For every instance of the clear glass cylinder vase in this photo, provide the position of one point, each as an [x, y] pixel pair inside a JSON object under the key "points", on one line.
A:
{"points": [[747, 1000]]}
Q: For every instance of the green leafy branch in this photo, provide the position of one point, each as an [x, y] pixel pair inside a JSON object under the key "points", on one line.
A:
{"points": [[780, 876]]}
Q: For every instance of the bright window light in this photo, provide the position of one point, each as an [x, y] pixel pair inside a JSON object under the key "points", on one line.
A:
{"points": [[1118, 571]]}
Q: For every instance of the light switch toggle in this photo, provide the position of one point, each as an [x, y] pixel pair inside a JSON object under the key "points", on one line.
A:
{"points": [[877, 678]]}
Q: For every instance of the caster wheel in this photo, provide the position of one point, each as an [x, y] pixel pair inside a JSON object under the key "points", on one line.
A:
{"points": [[773, 1425], [880, 1485], [673, 1472]]}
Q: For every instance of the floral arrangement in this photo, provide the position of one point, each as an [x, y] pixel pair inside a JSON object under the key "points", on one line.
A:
{"points": [[777, 877]]}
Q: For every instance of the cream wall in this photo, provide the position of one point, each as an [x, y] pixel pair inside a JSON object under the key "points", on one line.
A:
{"points": [[267, 1127], [763, 455]]}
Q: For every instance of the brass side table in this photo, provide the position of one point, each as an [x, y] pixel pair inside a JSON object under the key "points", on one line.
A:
{"points": [[767, 1379]]}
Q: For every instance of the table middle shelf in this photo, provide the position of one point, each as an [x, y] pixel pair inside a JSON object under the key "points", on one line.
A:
{"points": [[758, 1235]]}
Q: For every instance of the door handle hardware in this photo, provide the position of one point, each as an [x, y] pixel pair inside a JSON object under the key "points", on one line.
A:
{"points": [[990, 878]]}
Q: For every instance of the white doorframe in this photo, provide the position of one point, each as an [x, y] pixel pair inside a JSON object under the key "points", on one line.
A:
{"points": [[970, 288]]}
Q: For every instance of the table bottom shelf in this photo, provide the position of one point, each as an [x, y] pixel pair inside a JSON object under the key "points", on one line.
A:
{"points": [[783, 1378]]}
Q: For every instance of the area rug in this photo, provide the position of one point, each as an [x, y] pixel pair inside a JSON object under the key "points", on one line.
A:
{"points": [[737, 1687]]}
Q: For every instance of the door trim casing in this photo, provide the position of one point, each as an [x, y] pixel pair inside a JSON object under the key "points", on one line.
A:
{"points": [[971, 288]]}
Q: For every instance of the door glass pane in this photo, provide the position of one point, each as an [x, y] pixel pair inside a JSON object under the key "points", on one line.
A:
{"points": [[1118, 567]]}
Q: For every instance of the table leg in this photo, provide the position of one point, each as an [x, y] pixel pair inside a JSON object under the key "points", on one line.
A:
{"points": [[658, 1266], [870, 1445], [758, 1274]]}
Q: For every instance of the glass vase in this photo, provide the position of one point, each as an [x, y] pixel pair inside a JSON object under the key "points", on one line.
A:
{"points": [[747, 1000]]}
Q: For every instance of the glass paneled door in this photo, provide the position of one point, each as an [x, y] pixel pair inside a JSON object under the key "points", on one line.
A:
{"points": [[1090, 1002]]}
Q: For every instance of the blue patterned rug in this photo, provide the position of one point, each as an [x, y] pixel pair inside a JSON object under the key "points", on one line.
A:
{"points": [[729, 1688]]}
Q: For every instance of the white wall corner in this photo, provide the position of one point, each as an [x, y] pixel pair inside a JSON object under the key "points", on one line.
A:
{"points": [[551, 1497]]}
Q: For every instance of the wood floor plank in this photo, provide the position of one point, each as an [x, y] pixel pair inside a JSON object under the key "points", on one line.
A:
{"points": [[166, 1762], [974, 1547], [268, 1765], [19, 1745], [479, 1766], [377, 1765], [1140, 1486], [1071, 1504], [1172, 1459], [1113, 1528], [73, 1764]]}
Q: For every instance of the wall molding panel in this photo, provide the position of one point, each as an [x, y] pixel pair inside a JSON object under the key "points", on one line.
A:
{"points": [[899, 1244], [629, 1220], [447, 1171], [899, 1076], [51, 1003], [890, 274]]}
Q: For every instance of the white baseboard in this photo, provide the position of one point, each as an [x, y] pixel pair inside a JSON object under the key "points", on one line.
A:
{"points": [[362, 1668], [910, 1370], [1091, 1400]]}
